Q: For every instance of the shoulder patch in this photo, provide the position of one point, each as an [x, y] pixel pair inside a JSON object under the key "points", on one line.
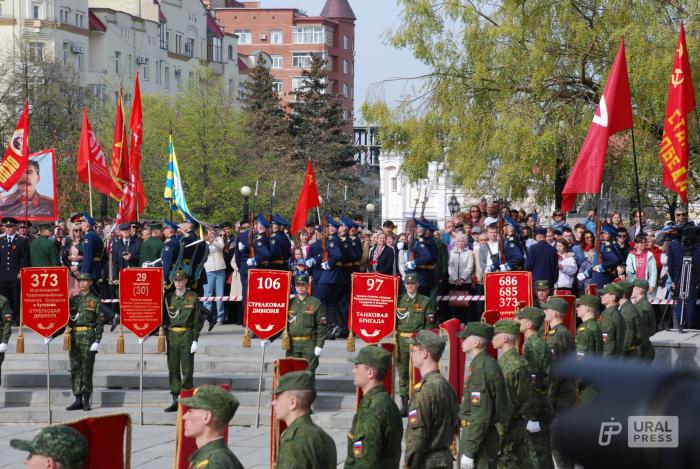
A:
{"points": [[413, 417], [357, 448], [475, 398]]}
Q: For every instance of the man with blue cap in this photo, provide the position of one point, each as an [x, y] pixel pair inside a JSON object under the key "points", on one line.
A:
{"points": [[280, 246], [424, 257], [604, 268], [515, 257], [93, 248], [250, 256], [324, 262], [352, 253], [171, 253]]}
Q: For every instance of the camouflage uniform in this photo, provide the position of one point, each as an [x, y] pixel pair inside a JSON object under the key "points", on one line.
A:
{"points": [[412, 315], [306, 325], [513, 434], [6, 331], [648, 317], [184, 323], [86, 323], [612, 327], [65, 445], [589, 341]]}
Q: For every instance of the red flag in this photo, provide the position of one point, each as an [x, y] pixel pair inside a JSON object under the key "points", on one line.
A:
{"points": [[136, 126], [614, 114], [308, 199], [92, 159], [681, 102], [120, 147], [17, 154]]}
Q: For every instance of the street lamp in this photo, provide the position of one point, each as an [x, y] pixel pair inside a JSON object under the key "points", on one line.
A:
{"points": [[453, 205], [245, 192], [370, 211]]}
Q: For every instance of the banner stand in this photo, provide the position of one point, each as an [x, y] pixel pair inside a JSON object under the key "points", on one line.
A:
{"points": [[141, 387], [48, 381], [260, 381]]}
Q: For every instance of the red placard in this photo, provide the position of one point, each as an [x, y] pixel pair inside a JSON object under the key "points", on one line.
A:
{"points": [[504, 291], [570, 318], [373, 306], [267, 302], [45, 301], [141, 299]]}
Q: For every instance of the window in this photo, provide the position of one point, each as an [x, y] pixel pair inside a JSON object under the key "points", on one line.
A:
{"points": [[80, 19], [245, 36], [166, 72], [394, 184], [36, 10], [64, 15], [345, 115], [276, 36], [277, 86], [346, 42], [145, 70], [189, 47], [178, 43], [230, 52], [64, 52], [308, 35], [276, 61], [298, 83], [214, 49], [178, 76], [345, 67], [36, 50], [301, 59], [117, 59], [99, 91], [158, 72], [164, 36], [345, 90]]}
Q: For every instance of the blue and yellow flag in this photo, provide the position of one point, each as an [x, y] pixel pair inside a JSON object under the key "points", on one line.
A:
{"points": [[174, 193]]}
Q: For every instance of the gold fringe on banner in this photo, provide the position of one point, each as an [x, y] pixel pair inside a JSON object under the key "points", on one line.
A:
{"points": [[395, 352], [120, 340], [246, 338], [286, 341], [161, 340], [20, 341], [66, 340], [350, 346]]}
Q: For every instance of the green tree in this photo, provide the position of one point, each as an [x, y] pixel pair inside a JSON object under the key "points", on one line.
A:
{"points": [[513, 86]]}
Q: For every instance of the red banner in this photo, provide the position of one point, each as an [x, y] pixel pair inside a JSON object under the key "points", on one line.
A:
{"points": [[454, 358], [93, 168], [267, 301], [15, 161], [45, 300], [373, 306], [109, 440], [141, 299], [504, 291]]}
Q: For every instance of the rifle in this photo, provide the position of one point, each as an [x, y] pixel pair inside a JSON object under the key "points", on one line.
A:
{"points": [[501, 239], [272, 204], [324, 240], [251, 244], [410, 231], [345, 198], [425, 201]]}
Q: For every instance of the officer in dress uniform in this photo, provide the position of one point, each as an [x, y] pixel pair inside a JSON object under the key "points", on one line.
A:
{"points": [[606, 269], [515, 257], [326, 281], [589, 339], [171, 253], [425, 257], [349, 248], [125, 251], [261, 251], [93, 248], [14, 255], [194, 255], [5, 330], [280, 246]]}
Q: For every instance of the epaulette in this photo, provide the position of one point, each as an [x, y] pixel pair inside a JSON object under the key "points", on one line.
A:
{"points": [[581, 329], [417, 386], [552, 332]]}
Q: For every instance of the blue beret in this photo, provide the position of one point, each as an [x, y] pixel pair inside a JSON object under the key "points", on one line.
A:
{"points": [[331, 221]]}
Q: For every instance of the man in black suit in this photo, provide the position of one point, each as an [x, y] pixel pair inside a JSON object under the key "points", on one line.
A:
{"points": [[14, 254], [542, 260], [125, 251]]}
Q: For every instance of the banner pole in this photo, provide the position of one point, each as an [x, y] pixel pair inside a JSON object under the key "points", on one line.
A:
{"points": [[48, 380], [260, 380], [90, 185], [636, 175], [141, 387]]}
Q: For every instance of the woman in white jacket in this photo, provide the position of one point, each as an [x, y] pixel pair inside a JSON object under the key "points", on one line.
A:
{"points": [[215, 266], [460, 268], [641, 264], [567, 265]]}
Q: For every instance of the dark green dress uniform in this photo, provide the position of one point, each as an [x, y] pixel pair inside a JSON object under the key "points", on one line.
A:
{"points": [[6, 332], [612, 327], [589, 341], [307, 328], [632, 340], [43, 253], [214, 455], [184, 323], [648, 318], [150, 250], [539, 407], [513, 434], [412, 315], [86, 324]]}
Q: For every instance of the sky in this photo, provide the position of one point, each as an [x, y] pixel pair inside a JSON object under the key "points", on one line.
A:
{"points": [[375, 61]]}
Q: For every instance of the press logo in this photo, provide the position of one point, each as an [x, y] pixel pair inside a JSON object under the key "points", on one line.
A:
{"points": [[607, 431], [652, 432]]}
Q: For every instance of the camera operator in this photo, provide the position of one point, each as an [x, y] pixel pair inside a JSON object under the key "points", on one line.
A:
{"points": [[685, 240]]}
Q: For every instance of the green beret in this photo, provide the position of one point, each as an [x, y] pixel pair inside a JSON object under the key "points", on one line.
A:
{"points": [[479, 329], [296, 381], [410, 277], [536, 315], [430, 341], [64, 444], [640, 283], [559, 305], [613, 289], [542, 285], [506, 326], [180, 275], [374, 357], [221, 403], [84, 276], [626, 287], [589, 300]]}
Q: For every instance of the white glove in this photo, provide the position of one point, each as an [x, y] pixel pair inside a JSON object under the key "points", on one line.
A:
{"points": [[400, 245], [466, 463], [504, 268], [410, 265], [310, 262], [533, 427], [48, 340], [241, 246], [3, 347], [264, 344], [142, 340], [193, 349], [581, 276], [325, 266], [251, 262], [598, 268], [94, 346], [317, 351]]}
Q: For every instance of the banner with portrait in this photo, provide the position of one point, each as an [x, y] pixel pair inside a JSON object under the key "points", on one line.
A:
{"points": [[34, 197]]}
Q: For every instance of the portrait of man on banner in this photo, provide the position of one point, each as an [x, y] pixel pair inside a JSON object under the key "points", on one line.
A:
{"points": [[34, 195]]}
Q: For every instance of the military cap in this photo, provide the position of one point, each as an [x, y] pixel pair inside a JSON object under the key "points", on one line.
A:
{"points": [[180, 275], [45, 226], [589, 300], [428, 225], [374, 357], [541, 231], [430, 341], [331, 221], [88, 219], [84, 276], [9, 221], [25, 223], [479, 329], [626, 287], [221, 403], [155, 226], [559, 305], [506, 326], [125, 226], [189, 218], [260, 219], [319, 228], [609, 229], [296, 381], [348, 222], [301, 278], [76, 217], [613, 289], [513, 223], [641, 283], [542, 284], [536, 315], [64, 444], [169, 224], [278, 219], [410, 277]]}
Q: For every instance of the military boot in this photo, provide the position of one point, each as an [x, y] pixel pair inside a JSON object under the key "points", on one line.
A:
{"points": [[86, 401], [115, 322], [404, 406], [78, 404], [172, 407]]}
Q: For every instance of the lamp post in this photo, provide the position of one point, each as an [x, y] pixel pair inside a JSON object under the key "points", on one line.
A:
{"points": [[453, 204], [370, 213], [245, 192]]}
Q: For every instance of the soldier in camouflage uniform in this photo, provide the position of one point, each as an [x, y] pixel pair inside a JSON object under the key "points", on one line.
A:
{"points": [[151, 248], [43, 252], [562, 393], [374, 441], [210, 409], [306, 325], [184, 323], [539, 408], [303, 444], [5, 330], [414, 312], [515, 372], [54, 445], [432, 416], [589, 340], [612, 325], [484, 401], [86, 324], [634, 326], [648, 316]]}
